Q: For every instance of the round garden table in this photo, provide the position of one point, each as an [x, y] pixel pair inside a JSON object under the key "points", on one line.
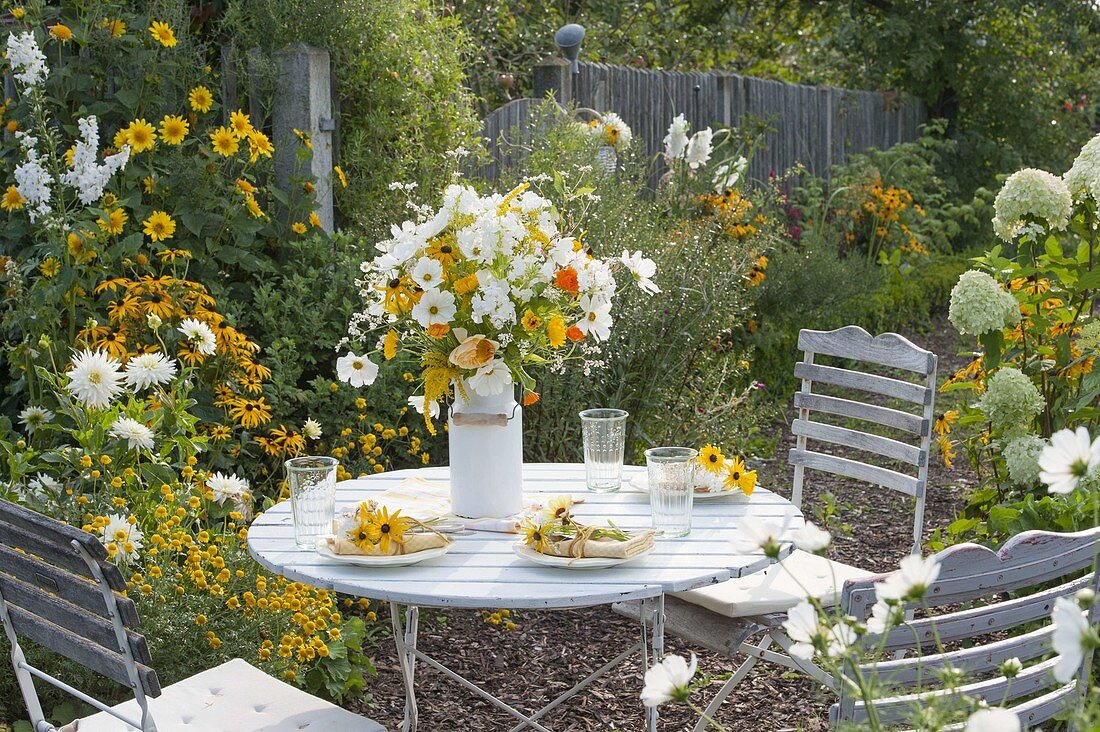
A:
{"points": [[482, 571]]}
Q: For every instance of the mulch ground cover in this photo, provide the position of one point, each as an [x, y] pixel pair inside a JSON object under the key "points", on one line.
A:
{"points": [[549, 651]]}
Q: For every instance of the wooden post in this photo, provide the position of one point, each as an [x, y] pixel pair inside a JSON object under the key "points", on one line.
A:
{"points": [[303, 101], [554, 76]]}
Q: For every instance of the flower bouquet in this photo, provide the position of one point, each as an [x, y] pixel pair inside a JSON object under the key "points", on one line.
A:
{"points": [[720, 474], [372, 530], [477, 294]]}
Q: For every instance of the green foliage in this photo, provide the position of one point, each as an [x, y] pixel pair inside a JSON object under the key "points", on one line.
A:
{"points": [[399, 80]]}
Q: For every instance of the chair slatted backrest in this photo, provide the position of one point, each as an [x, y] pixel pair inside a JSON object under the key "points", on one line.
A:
{"points": [[1036, 567], [837, 409], [58, 589]]}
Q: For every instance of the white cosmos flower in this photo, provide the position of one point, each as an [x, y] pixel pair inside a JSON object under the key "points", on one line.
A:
{"points": [[597, 317], [1070, 638], [1068, 458], [94, 379], [993, 719], [643, 270], [149, 369], [811, 539], [200, 334], [883, 617], [312, 429], [428, 273], [124, 537], [417, 403], [670, 679], [676, 141], [755, 534], [492, 378], [227, 487], [699, 148], [914, 576], [356, 370], [802, 627], [136, 435], [435, 307], [839, 638], [34, 417]]}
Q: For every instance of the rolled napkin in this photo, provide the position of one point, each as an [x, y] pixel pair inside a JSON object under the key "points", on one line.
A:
{"points": [[372, 530], [583, 544]]}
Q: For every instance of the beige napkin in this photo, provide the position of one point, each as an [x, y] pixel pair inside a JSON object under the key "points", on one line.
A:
{"points": [[585, 546], [425, 499]]}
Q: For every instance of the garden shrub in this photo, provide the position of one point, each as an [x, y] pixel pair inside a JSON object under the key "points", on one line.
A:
{"points": [[399, 78]]}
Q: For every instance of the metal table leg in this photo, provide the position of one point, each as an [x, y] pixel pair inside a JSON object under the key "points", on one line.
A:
{"points": [[653, 610], [404, 637]]}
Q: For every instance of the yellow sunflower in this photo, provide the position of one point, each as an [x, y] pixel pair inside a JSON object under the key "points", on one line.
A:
{"points": [[531, 321], [340, 176], [555, 331], [163, 34], [944, 420], [712, 459], [535, 536], [390, 344], [245, 186], [159, 226], [141, 136], [113, 222], [298, 227], [115, 27], [173, 129], [240, 124], [61, 32], [314, 219], [738, 477], [259, 146], [200, 99], [253, 207], [12, 199], [224, 141], [50, 267], [389, 528]]}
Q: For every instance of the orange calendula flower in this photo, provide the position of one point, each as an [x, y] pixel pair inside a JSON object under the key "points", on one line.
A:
{"points": [[556, 332], [390, 344], [574, 334], [530, 398], [438, 330], [566, 279]]}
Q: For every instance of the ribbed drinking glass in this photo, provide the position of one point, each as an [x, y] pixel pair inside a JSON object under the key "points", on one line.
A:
{"points": [[671, 488], [312, 481], [604, 432]]}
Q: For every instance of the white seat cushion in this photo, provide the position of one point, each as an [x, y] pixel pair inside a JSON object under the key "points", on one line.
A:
{"points": [[775, 589], [237, 697]]}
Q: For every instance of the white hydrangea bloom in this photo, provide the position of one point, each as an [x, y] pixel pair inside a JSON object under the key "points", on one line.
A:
{"points": [[27, 60], [88, 176], [1031, 196], [980, 305], [1083, 177], [1022, 459]]}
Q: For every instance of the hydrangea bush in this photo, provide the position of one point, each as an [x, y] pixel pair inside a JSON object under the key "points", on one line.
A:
{"points": [[1029, 305]]}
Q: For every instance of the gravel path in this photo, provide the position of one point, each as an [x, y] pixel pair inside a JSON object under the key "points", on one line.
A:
{"points": [[549, 651]]}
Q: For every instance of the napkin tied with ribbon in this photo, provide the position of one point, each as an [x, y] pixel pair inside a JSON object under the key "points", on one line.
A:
{"points": [[584, 545]]}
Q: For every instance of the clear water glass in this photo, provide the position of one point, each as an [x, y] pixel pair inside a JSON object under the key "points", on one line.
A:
{"points": [[312, 481], [604, 433], [671, 488]]}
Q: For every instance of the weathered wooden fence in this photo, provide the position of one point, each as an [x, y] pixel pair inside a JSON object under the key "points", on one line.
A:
{"points": [[816, 126]]}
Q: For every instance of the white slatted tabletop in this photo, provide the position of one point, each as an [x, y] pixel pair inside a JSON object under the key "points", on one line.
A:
{"points": [[481, 570]]}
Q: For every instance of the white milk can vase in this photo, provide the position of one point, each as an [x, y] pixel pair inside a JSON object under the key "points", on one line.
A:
{"points": [[485, 435]]}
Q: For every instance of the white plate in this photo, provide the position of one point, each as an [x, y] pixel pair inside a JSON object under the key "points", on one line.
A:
{"points": [[640, 483], [546, 560], [396, 560]]}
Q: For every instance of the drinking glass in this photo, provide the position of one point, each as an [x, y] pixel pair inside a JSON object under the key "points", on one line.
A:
{"points": [[604, 433], [312, 481], [671, 488]]}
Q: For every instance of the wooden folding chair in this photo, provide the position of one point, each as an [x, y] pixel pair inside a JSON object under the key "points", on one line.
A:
{"points": [[998, 592], [58, 590], [833, 410]]}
